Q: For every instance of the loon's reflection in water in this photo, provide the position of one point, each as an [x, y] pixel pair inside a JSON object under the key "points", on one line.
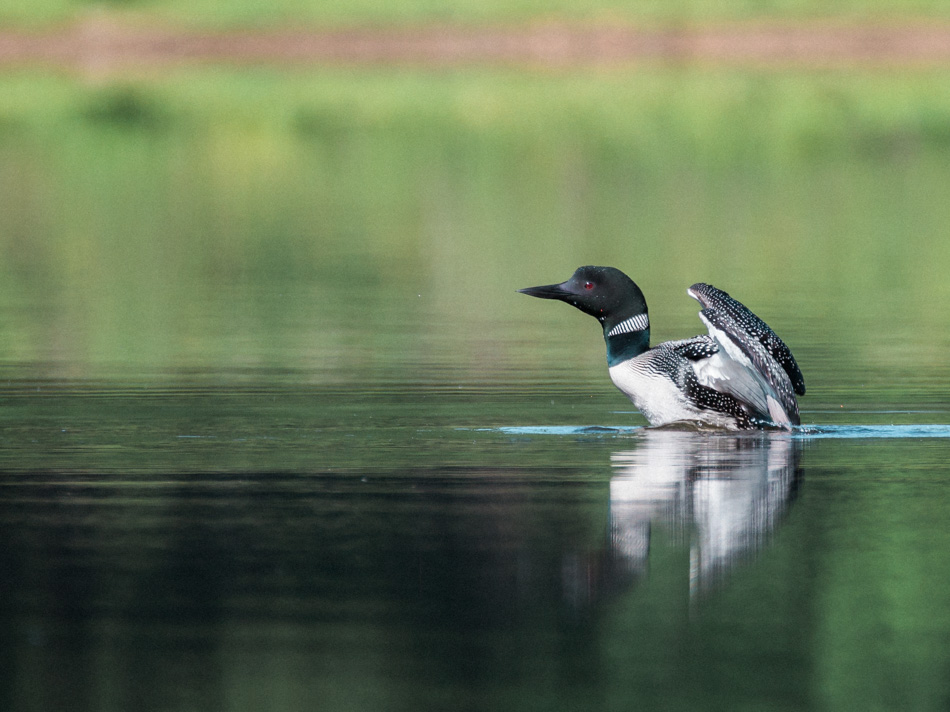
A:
{"points": [[724, 494]]}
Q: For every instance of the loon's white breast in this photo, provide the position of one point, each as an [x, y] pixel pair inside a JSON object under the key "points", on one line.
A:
{"points": [[658, 397]]}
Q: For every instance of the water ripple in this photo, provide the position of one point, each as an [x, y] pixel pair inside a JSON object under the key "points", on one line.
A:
{"points": [[805, 432], [811, 432]]}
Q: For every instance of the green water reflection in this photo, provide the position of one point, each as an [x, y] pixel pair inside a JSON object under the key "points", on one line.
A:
{"points": [[262, 370], [660, 569], [368, 226]]}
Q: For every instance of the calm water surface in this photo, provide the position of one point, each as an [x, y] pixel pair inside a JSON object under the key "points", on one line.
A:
{"points": [[275, 543]]}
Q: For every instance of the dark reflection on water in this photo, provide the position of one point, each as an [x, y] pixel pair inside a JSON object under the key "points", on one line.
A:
{"points": [[366, 556], [164, 594], [724, 494], [183, 591]]}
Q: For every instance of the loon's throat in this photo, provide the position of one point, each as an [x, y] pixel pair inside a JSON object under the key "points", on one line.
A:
{"points": [[628, 339]]}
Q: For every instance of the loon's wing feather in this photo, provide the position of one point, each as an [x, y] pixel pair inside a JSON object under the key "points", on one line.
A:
{"points": [[716, 371], [696, 348], [726, 371], [712, 298], [688, 362], [747, 370]]}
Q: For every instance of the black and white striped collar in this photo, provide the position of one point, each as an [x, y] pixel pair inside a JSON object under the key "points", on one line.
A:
{"points": [[634, 323]]}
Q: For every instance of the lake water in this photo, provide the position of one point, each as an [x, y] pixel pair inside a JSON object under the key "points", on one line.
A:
{"points": [[278, 433]]}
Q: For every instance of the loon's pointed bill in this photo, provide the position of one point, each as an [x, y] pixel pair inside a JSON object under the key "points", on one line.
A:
{"points": [[739, 376], [547, 291]]}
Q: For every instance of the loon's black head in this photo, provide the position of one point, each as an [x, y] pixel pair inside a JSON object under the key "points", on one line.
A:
{"points": [[607, 294], [611, 297]]}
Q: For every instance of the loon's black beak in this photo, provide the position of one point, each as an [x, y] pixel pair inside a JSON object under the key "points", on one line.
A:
{"points": [[549, 291]]}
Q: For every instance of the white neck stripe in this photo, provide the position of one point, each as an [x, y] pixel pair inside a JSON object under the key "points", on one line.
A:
{"points": [[634, 323]]}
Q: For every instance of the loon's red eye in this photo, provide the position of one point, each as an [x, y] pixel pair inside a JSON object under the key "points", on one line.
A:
{"points": [[588, 285]]}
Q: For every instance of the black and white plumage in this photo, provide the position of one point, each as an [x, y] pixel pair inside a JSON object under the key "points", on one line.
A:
{"points": [[740, 376]]}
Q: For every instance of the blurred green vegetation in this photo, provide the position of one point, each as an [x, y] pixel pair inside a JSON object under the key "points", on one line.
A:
{"points": [[378, 222], [284, 12], [328, 229]]}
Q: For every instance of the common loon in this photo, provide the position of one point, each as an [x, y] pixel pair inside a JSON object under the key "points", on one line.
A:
{"points": [[739, 377]]}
